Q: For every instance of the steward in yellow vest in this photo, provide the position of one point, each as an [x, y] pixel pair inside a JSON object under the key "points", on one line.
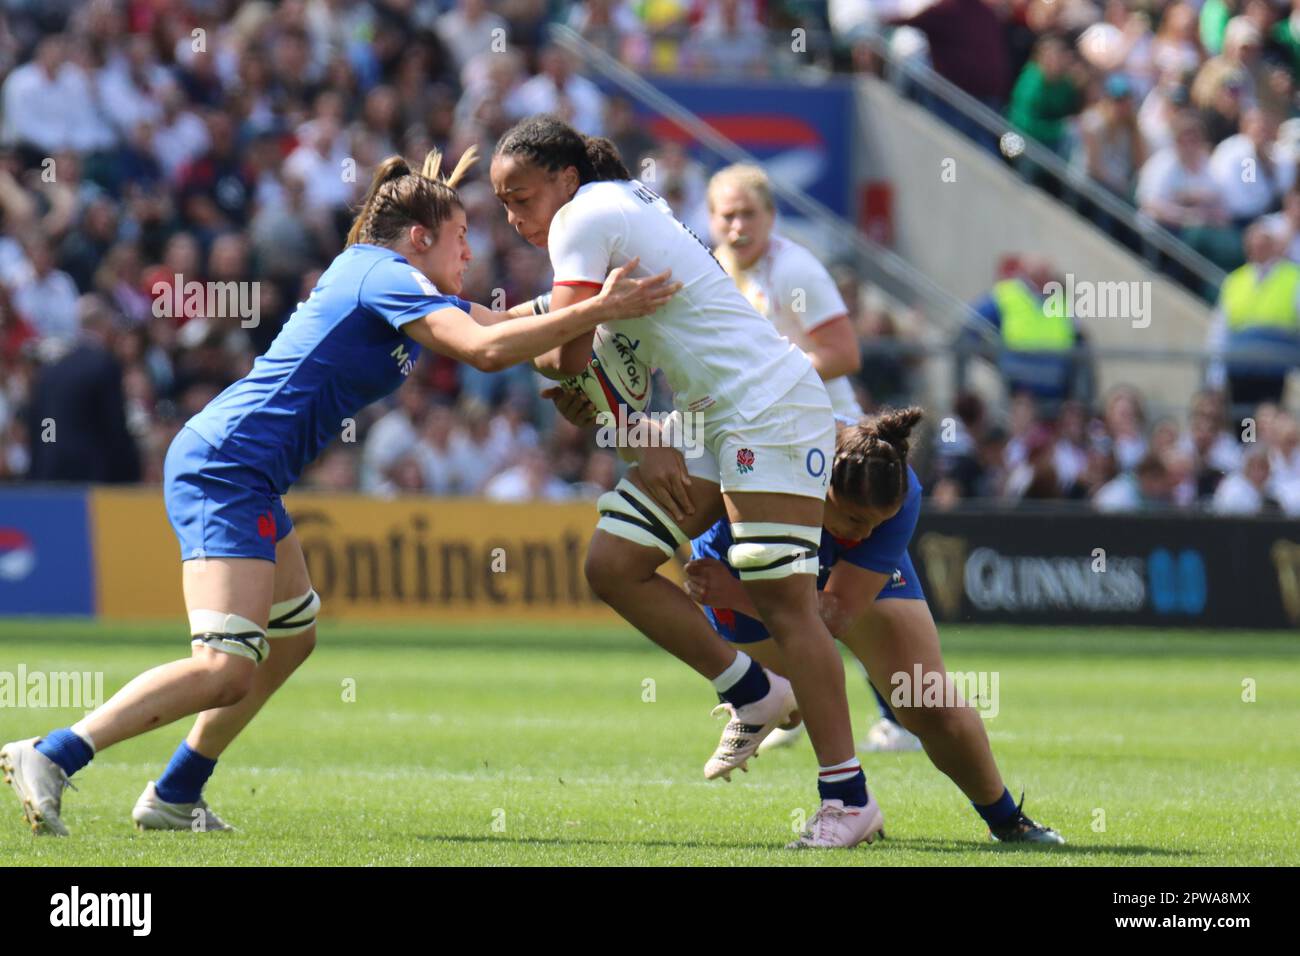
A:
{"points": [[1037, 341]]}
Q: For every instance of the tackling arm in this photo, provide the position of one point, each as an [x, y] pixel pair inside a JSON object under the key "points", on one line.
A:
{"points": [[849, 592], [571, 357]]}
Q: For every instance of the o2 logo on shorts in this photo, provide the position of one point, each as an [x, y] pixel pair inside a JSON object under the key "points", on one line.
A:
{"points": [[744, 461]]}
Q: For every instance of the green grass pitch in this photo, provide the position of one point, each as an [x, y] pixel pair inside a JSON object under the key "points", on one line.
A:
{"points": [[535, 745]]}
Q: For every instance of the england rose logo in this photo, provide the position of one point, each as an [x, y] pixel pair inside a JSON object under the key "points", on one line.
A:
{"points": [[744, 461]]}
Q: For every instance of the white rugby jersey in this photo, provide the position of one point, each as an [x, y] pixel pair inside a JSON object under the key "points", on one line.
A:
{"points": [[716, 352], [795, 292]]}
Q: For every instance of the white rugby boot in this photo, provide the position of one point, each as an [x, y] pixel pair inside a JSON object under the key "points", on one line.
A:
{"points": [[748, 727], [836, 826], [885, 736], [153, 813], [38, 782]]}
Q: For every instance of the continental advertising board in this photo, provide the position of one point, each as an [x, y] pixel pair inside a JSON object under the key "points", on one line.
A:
{"points": [[414, 558]]}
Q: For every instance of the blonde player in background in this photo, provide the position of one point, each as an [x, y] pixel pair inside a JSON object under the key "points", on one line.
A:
{"points": [[786, 284]]}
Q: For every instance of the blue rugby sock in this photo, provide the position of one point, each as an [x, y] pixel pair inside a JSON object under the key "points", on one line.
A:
{"points": [[751, 685], [884, 706], [183, 780], [1001, 812], [845, 782], [66, 749]]}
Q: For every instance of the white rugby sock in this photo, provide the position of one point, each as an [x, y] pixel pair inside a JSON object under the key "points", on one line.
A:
{"points": [[728, 678], [841, 771]]}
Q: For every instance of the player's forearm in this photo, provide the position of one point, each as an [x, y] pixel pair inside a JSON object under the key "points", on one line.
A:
{"points": [[833, 364], [736, 599], [531, 337], [567, 360]]}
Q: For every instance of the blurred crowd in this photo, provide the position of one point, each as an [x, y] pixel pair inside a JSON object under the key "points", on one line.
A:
{"points": [[1189, 112], [1187, 109], [147, 144], [1117, 458]]}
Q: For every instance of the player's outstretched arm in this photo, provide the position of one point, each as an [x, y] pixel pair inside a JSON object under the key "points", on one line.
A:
{"points": [[494, 347], [571, 357]]}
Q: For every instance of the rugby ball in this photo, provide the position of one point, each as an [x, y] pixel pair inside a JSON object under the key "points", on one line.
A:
{"points": [[616, 380]]}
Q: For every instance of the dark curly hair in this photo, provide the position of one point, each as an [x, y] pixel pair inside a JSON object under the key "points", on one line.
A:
{"points": [[553, 144], [871, 458]]}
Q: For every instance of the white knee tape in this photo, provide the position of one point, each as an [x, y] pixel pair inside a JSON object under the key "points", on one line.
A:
{"points": [[294, 615], [628, 512], [763, 550], [229, 634]]}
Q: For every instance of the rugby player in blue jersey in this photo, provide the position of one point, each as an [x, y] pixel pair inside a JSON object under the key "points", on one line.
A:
{"points": [[871, 600], [390, 293]]}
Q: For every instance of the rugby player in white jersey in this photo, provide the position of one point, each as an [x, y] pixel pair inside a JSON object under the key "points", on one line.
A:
{"points": [[768, 437], [786, 283]]}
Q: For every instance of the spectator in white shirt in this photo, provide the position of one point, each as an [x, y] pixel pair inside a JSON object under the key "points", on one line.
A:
{"points": [[489, 82], [1245, 170], [1284, 462], [478, 457], [470, 29], [729, 40], [439, 462], [181, 135], [49, 104], [131, 86], [395, 436], [1244, 492], [1175, 186], [530, 480], [558, 89], [1148, 485], [1214, 450], [612, 26], [47, 299], [318, 164], [1161, 107]]}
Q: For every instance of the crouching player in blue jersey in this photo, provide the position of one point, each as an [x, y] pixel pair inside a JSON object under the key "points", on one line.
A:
{"points": [[872, 602], [390, 293]]}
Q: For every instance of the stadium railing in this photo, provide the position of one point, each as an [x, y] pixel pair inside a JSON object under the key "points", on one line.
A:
{"points": [[1036, 162]]}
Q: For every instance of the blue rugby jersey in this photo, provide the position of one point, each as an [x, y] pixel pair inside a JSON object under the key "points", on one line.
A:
{"points": [[340, 350], [885, 552]]}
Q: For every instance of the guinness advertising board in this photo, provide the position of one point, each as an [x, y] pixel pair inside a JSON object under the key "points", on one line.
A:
{"points": [[1052, 568]]}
